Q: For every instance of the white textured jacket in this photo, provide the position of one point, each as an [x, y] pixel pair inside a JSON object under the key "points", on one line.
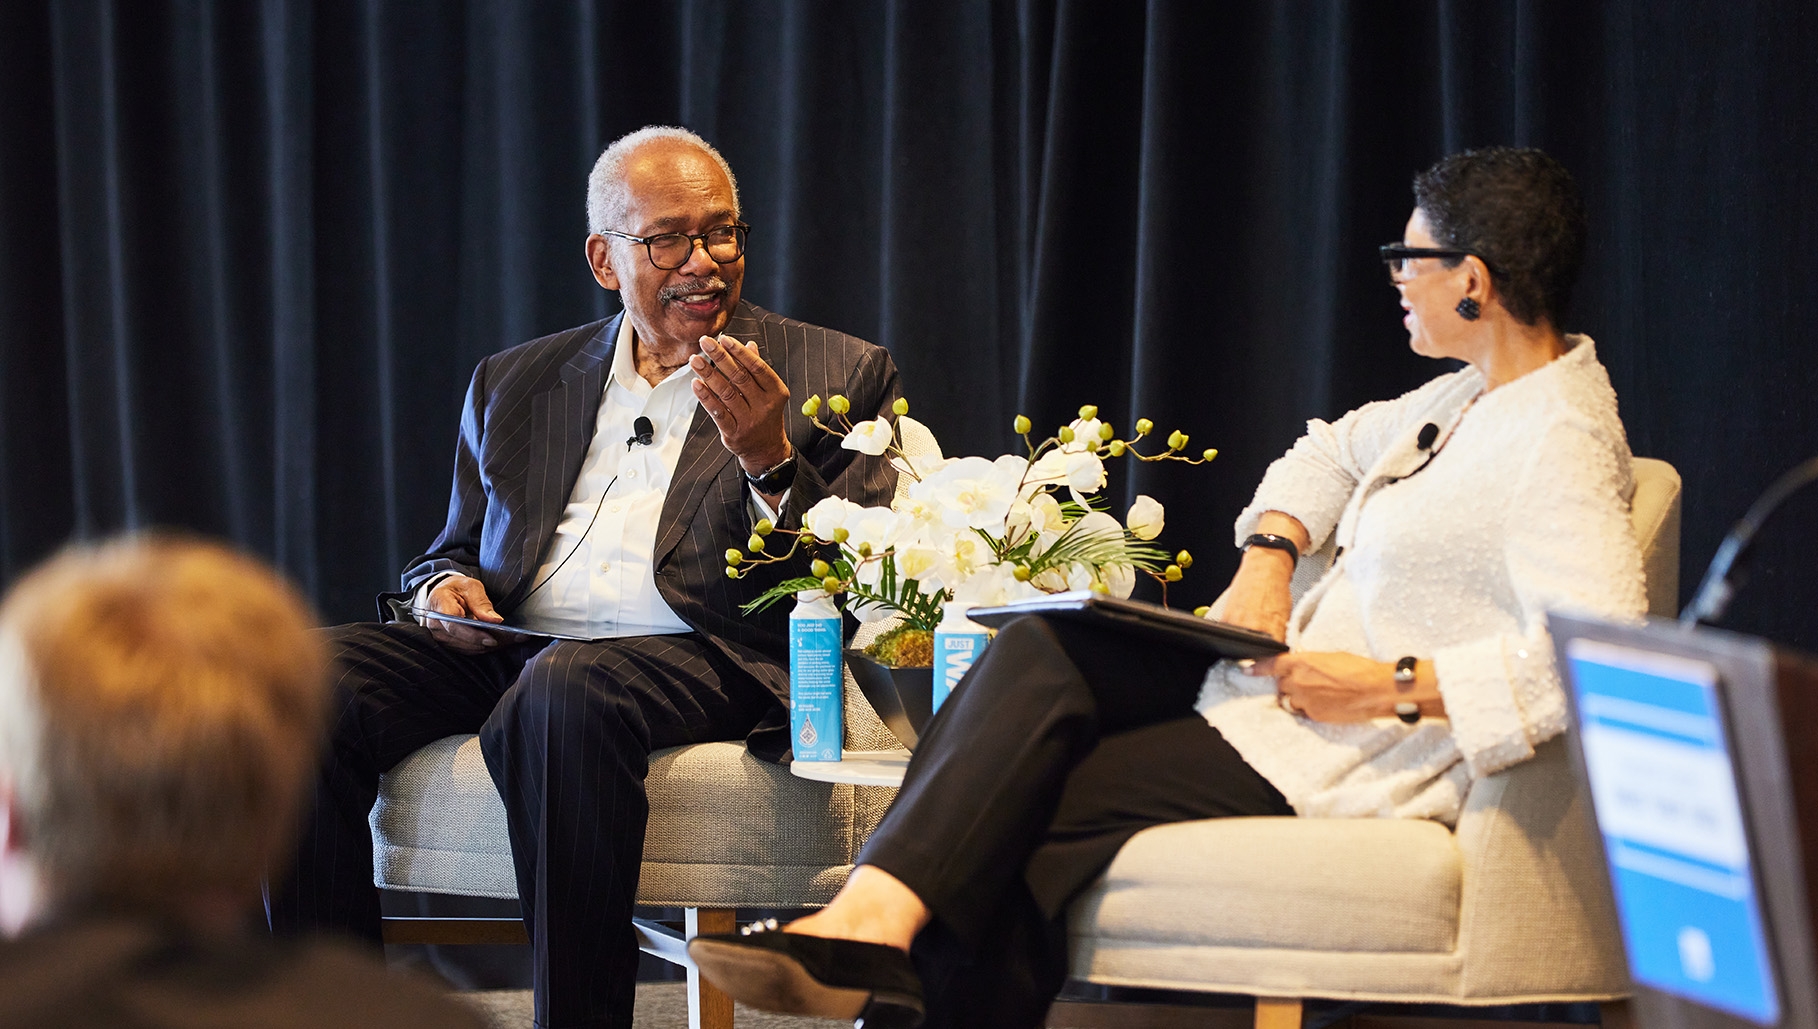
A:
{"points": [[1524, 507]]}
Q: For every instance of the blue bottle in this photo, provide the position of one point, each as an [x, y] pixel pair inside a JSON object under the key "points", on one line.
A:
{"points": [[958, 642], [817, 678]]}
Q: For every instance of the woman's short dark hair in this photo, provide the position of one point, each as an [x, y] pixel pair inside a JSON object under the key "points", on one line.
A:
{"points": [[1519, 210]]}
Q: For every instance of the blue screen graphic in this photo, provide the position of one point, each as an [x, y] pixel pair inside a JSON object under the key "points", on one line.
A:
{"points": [[1671, 819]]}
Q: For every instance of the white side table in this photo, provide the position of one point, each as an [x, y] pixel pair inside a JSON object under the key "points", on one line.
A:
{"points": [[858, 767]]}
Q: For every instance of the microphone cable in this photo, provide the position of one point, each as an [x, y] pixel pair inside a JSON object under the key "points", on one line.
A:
{"points": [[642, 432]]}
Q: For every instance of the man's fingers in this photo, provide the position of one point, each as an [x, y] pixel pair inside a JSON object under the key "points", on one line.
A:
{"points": [[717, 408]]}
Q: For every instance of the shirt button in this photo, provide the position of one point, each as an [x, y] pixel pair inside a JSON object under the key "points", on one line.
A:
{"points": [[613, 507], [632, 474], [605, 566]]}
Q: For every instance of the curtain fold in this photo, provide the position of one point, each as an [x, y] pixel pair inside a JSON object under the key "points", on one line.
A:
{"points": [[250, 253]]}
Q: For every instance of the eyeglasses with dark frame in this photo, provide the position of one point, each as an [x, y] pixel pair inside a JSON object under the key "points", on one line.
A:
{"points": [[1397, 256], [671, 250]]}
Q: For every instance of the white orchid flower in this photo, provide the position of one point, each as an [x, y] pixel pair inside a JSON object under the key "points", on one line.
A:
{"points": [[1085, 435], [872, 530], [1120, 580], [872, 437], [1145, 517], [918, 561], [992, 585], [1082, 471], [970, 492], [827, 516]]}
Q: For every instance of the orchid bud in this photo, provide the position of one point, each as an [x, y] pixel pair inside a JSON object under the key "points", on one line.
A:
{"points": [[811, 406], [1144, 426], [1021, 573], [1022, 425], [841, 535], [1101, 587], [1184, 559], [864, 550], [901, 407], [1202, 610], [1176, 440], [764, 527], [831, 584], [732, 573], [1105, 431], [1171, 573], [1065, 435], [1211, 452], [838, 404], [734, 558], [1088, 412], [755, 544], [821, 569], [1117, 448]]}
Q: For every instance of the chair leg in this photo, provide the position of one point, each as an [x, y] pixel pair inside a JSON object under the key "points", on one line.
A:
{"points": [[708, 1008], [1277, 1013]]}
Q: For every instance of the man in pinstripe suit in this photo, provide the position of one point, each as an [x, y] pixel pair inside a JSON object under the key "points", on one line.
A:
{"points": [[600, 476]]}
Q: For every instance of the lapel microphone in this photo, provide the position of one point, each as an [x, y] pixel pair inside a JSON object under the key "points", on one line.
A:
{"points": [[1424, 441], [642, 432]]}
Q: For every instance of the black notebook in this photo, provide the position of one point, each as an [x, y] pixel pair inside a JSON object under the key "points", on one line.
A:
{"points": [[1139, 618]]}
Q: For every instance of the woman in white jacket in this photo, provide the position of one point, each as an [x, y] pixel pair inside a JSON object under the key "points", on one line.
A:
{"points": [[1458, 514]]}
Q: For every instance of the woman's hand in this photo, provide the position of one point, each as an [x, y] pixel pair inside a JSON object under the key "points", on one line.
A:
{"points": [[1258, 597], [1339, 687]]}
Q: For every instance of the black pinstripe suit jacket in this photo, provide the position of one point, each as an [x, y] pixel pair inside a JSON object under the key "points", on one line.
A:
{"points": [[528, 421]]}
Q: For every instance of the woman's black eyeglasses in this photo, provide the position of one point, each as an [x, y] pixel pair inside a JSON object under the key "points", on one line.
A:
{"points": [[670, 250], [1397, 256]]}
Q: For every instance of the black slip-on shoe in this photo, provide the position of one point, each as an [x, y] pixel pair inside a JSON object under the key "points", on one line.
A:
{"points": [[796, 974]]}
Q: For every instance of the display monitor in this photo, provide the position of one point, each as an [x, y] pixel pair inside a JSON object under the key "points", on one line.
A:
{"points": [[1657, 753]]}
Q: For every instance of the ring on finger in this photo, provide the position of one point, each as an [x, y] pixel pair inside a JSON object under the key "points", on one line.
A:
{"points": [[1286, 703]]}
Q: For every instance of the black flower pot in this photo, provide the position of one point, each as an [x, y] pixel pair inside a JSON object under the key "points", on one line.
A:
{"points": [[902, 697]]}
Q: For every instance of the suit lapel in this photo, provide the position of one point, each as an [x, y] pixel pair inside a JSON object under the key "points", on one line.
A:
{"points": [[704, 457], [561, 429]]}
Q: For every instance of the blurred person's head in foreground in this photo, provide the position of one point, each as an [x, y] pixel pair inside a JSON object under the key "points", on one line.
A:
{"points": [[161, 702]]}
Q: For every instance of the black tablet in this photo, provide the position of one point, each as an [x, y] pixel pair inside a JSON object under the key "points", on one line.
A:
{"points": [[519, 632], [1140, 618]]}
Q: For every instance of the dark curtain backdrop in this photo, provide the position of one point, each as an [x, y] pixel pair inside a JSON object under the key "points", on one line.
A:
{"points": [[250, 251]]}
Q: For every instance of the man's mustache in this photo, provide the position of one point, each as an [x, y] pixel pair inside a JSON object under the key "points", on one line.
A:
{"points": [[678, 290]]}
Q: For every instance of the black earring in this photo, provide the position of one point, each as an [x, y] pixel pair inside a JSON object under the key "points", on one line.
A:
{"points": [[1468, 309]]}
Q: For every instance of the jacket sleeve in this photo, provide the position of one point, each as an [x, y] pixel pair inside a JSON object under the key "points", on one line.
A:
{"points": [[1316, 477], [1570, 546]]}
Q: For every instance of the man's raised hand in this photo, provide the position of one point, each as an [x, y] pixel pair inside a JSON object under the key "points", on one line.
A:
{"points": [[746, 400]]}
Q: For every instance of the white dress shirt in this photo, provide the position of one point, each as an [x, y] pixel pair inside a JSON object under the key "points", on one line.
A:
{"points": [[600, 564]]}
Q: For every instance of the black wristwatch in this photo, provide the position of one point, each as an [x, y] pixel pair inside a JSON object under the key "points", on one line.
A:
{"points": [[774, 480], [1274, 542], [1406, 710]]}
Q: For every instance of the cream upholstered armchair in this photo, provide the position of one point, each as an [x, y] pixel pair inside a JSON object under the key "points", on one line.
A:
{"points": [[726, 831], [1509, 908]]}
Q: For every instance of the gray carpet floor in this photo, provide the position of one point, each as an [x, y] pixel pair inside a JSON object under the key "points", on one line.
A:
{"points": [[660, 1006]]}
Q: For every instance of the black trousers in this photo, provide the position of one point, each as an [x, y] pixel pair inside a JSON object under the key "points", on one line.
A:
{"points": [[567, 730], [1061, 744]]}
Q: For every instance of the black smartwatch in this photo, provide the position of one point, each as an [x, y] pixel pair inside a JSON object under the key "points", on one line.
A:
{"points": [[1274, 542], [774, 480], [1406, 710]]}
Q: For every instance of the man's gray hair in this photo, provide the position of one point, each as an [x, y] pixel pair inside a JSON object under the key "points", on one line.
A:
{"points": [[607, 197]]}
